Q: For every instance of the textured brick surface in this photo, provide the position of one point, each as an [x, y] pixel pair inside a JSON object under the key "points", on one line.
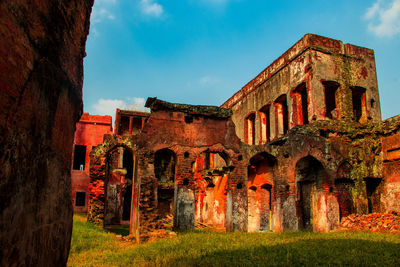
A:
{"points": [[42, 46]]}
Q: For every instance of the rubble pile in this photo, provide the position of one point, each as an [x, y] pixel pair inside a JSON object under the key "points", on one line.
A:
{"points": [[375, 222]]}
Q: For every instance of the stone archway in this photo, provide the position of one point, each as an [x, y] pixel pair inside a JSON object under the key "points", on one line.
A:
{"points": [[211, 174], [112, 181], [310, 180], [260, 192]]}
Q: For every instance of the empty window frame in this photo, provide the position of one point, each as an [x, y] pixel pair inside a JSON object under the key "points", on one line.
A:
{"points": [[301, 103], [281, 114], [265, 123], [249, 128], [359, 103], [124, 125], [79, 157], [80, 199], [330, 88]]}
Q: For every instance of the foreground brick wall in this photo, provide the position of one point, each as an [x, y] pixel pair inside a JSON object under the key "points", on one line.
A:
{"points": [[42, 46]]}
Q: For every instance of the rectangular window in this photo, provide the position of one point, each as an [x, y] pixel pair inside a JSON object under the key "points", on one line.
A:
{"points": [[79, 157], [124, 126], [330, 99], [80, 199], [359, 103]]}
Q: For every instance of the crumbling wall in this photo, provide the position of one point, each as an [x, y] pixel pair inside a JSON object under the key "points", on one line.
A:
{"points": [[107, 180], [318, 78], [42, 49]]}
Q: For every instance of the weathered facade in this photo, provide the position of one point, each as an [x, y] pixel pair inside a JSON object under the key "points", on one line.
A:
{"points": [[89, 132], [299, 147]]}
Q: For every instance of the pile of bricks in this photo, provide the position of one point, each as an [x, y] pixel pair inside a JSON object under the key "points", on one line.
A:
{"points": [[375, 222]]}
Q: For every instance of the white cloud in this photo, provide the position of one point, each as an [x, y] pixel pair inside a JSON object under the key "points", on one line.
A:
{"points": [[208, 81], [102, 10], [109, 106], [100, 14], [384, 20], [151, 8]]}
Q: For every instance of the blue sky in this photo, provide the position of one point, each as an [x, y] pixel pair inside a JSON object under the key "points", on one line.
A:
{"points": [[203, 51]]}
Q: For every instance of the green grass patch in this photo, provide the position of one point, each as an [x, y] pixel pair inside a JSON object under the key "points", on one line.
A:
{"points": [[93, 246]]}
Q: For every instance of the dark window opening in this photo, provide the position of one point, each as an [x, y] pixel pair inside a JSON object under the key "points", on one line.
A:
{"points": [[136, 125], [372, 103], [79, 157], [188, 119], [239, 186], [330, 99], [302, 103], [164, 167], [80, 199], [358, 98], [250, 131], [186, 154], [310, 178], [186, 181], [127, 163], [124, 125], [373, 195]]}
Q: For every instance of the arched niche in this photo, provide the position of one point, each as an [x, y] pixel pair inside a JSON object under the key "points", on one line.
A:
{"points": [[344, 186], [259, 192], [310, 178], [211, 173], [164, 171], [118, 185]]}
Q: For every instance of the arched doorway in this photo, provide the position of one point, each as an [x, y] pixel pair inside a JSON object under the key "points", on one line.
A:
{"points": [[164, 170], [310, 179], [344, 186], [260, 193], [210, 171], [118, 185]]}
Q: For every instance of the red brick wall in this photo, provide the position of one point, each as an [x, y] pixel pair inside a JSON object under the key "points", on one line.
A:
{"points": [[89, 132]]}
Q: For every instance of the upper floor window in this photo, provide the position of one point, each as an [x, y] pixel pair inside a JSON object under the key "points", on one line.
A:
{"points": [[281, 114], [265, 123], [79, 158], [249, 129], [359, 103], [331, 110], [300, 104]]}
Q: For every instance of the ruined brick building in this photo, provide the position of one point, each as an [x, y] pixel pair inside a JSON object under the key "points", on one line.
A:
{"points": [[89, 132], [299, 147]]}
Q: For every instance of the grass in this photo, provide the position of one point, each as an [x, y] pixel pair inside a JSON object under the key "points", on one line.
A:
{"points": [[93, 246]]}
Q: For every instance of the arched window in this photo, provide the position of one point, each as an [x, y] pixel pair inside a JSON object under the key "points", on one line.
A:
{"points": [[265, 123], [249, 129], [281, 115]]}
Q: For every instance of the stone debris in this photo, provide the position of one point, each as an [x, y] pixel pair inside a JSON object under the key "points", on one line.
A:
{"points": [[374, 222]]}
